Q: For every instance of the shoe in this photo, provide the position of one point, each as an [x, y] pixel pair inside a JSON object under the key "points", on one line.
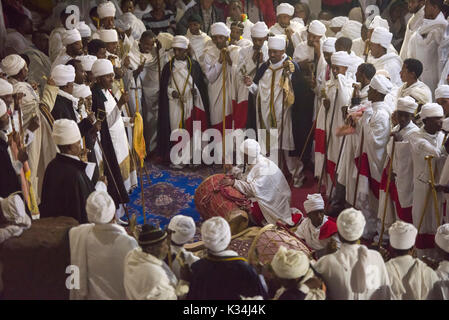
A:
{"points": [[298, 182]]}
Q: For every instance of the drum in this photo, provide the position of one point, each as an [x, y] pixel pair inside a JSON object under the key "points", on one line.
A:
{"points": [[213, 200]]}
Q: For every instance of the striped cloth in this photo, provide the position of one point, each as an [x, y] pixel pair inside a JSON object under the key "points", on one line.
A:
{"points": [[166, 24]]}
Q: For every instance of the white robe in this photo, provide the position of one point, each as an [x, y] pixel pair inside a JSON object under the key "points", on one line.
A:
{"points": [[311, 234], [17, 41], [298, 30], [440, 290], [247, 25], [99, 251], [198, 43], [411, 279], [390, 62], [413, 24], [337, 269], [40, 66], [180, 252], [55, 42], [404, 91], [137, 26]]}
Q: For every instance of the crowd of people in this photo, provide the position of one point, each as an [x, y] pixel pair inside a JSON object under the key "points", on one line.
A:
{"points": [[362, 101]]}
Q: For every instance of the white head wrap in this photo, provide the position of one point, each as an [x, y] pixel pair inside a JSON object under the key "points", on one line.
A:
{"points": [[13, 64], [3, 108], [259, 30], [277, 43], [180, 42], [106, 9], [317, 28], [402, 235], [70, 37], [84, 29], [381, 84], [378, 21], [431, 110], [65, 132], [5, 88], [165, 39], [290, 264], [341, 58], [108, 35], [442, 237], [441, 92], [220, 29], [14, 210], [407, 104], [81, 91], [216, 234], [183, 228], [87, 61], [329, 45], [102, 67], [338, 22], [63, 74], [100, 207], [250, 147], [314, 202], [285, 8], [382, 36], [352, 30], [350, 224]]}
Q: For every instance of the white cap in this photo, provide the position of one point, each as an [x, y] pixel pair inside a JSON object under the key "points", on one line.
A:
{"points": [[5, 88], [84, 29], [180, 42], [81, 91], [290, 264], [352, 30], [382, 36], [87, 61], [63, 74], [441, 92], [250, 147], [407, 104], [314, 202], [102, 67], [378, 21], [108, 35], [13, 64], [285, 8], [402, 235], [3, 108], [350, 224], [220, 29], [259, 30], [341, 58], [317, 28], [100, 207], [338, 22], [431, 110], [70, 37], [216, 234], [14, 210], [106, 9], [277, 43], [329, 45], [183, 228], [65, 132], [442, 237], [381, 84]]}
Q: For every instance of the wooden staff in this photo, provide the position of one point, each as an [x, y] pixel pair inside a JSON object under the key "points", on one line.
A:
{"points": [[158, 63], [434, 191], [305, 145], [223, 75], [358, 169]]}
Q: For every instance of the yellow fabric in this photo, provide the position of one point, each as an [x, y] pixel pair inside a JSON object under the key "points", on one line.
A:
{"points": [[138, 139], [31, 201]]}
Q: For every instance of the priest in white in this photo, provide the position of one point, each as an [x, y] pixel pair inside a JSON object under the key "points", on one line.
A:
{"points": [[415, 7], [411, 71], [14, 216], [73, 47], [440, 290]]}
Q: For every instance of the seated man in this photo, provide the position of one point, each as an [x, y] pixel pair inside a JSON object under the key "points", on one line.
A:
{"points": [[266, 185], [13, 217]]}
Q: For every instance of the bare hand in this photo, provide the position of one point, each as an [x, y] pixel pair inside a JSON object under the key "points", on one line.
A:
{"points": [[103, 179], [396, 136], [51, 82], [123, 99], [331, 246], [34, 85], [175, 95], [126, 62], [22, 155], [314, 283], [289, 32], [326, 104], [227, 182], [394, 118], [430, 262], [248, 81], [17, 99], [34, 124], [97, 126]]}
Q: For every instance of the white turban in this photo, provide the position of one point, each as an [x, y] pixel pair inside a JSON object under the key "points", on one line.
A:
{"points": [[285, 8], [63, 74], [70, 37], [65, 132], [13, 64], [165, 39], [290, 264], [102, 67], [381, 84], [441, 92], [259, 30], [5, 88], [3, 108], [100, 207], [108, 35], [329, 45], [317, 28], [407, 104], [314, 202], [14, 210], [341, 58], [84, 29], [216, 234], [352, 30], [183, 228], [338, 22], [220, 29], [382, 36], [81, 91], [442, 237], [431, 110], [87, 61], [402, 235], [180, 42], [378, 21], [250, 147], [350, 224], [277, 43], [106, 9]]}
